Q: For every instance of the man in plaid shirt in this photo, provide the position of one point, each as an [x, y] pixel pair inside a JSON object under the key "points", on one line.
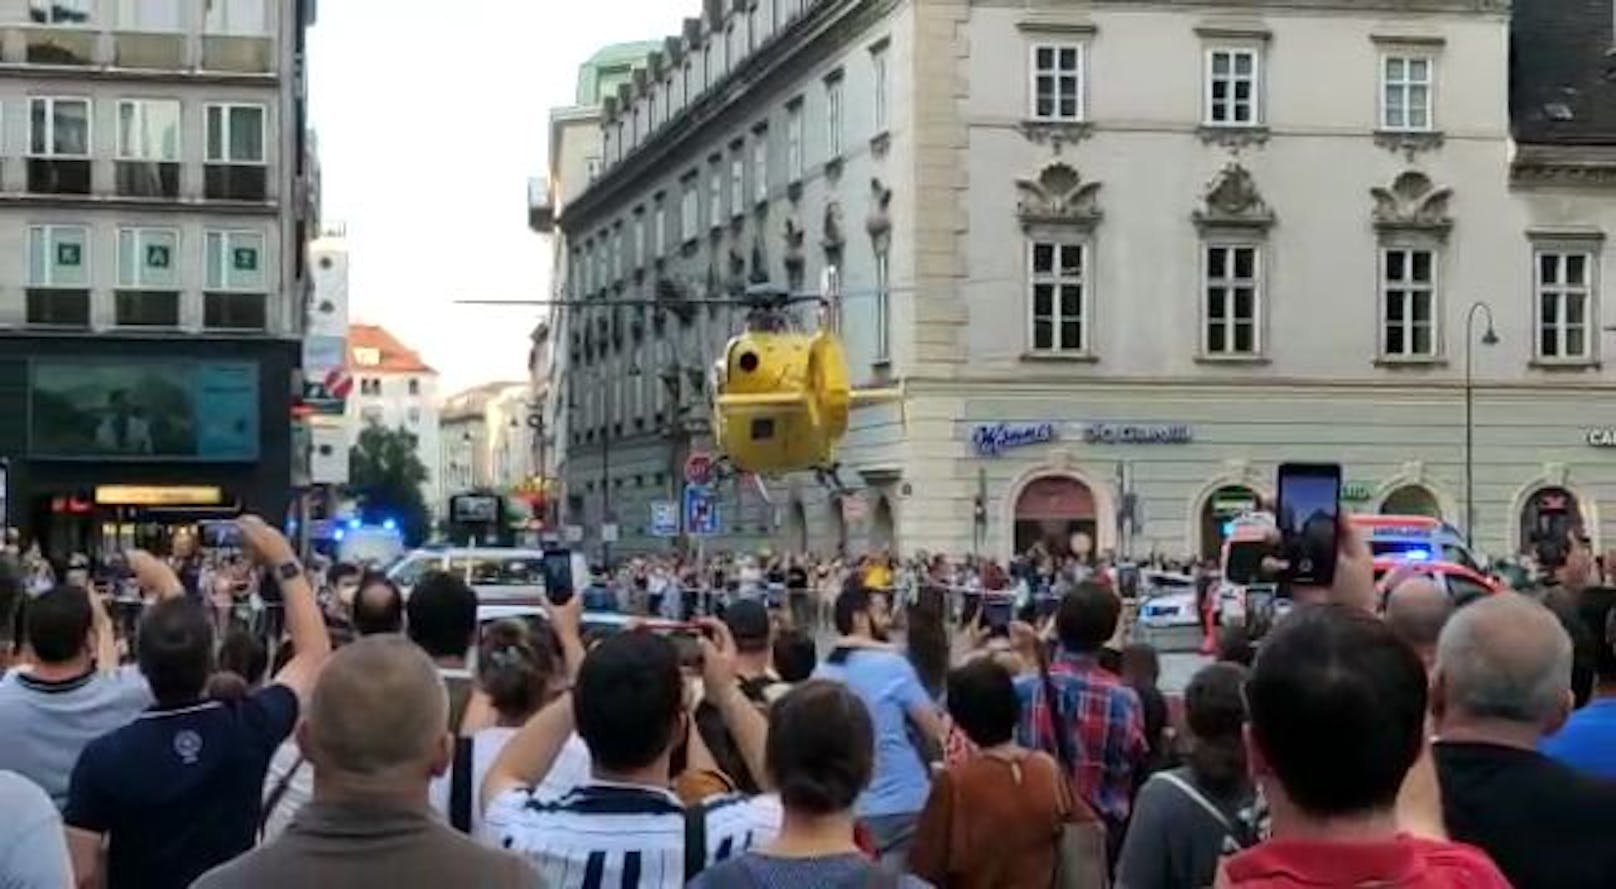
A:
{"points": [[1102, 739]]}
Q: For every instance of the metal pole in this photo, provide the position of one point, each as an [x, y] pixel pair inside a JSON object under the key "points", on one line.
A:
{"points": [[606, 463], [1488, 339]]}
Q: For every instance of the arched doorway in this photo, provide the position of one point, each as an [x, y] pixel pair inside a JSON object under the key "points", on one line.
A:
{"points": [[796, 530], [1057, 512], [882, 527], [1222, 507], [1412, 500], [1548, 517]]}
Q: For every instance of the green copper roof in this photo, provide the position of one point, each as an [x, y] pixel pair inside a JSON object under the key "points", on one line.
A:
{"points": [[610, 66]]}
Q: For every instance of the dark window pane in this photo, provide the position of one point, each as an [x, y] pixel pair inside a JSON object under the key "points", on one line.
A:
{"points": [[1071, 335], [1422, 340], [1043, 257], [1574, 345], [1220, 63], [59, 307], [1071, 301], [234, 311], [1551, 309], [1576, 267], [1068, 105], [1068, 58], [1574, 306], [1394, 339], [1046, 57], [1244, 302], [148, 308], [1046, 105], [1548, 343], [1043, 335], [1071, 258], [1548, 268], [1216, 262], [1245, 337], [1242, 90], [1422, 266], [1215, 338], [1394, 265], [1422, 307], [1395, 303], [1245, 262], [1043, 299]]}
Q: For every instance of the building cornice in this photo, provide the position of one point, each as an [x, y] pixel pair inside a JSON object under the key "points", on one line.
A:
{"points": [[145, 205], [807, 40], [1495, 7], [1564, 166], [110, 73]]}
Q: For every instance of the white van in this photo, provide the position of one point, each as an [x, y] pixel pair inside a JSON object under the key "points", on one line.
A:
{"points": [[499, 575]]}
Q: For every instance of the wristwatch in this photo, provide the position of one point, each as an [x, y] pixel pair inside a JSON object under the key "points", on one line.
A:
{"points": [[288, 571]]}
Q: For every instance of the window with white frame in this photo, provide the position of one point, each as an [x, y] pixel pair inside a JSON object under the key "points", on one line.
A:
{"points": [[1406, 92], [618, 261], [659, 226], [1409, 302], [59, 127], [60, 12], [715, 193], [736, 47], [707, 74], [1057, 296], [148, 293], [58, 256], [239, 18], [737, 179], [1057, 81], [754, 34], [236, 281], [883, 307], [794, 158], [149, 129], [1232, 87], [760, 165], [639, 238], [151, 15], [881, 85], [689, 214], [1233, 283], [1564, 284], [235, 134], [833, 116]]}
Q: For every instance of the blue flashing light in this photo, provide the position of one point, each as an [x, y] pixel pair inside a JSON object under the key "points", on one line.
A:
{"points": [[1417, 555], [1228, 529], [338, 534], [389, 525], [354, 524]]}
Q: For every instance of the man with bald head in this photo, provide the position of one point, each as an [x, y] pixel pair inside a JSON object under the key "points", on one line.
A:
{"points": [[1416, 610], [375, 735], [1502, 682]]}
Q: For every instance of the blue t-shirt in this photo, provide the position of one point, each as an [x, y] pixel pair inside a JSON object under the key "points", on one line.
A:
{"points": [[890, 688], [1587, 743], [178, 791], [755, 870]]}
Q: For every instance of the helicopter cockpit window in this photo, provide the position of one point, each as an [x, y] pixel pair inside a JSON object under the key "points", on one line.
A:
{"points": [[762, 429]]}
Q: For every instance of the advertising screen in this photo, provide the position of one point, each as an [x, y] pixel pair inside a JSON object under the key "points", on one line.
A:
{"points": [[191, 410]]}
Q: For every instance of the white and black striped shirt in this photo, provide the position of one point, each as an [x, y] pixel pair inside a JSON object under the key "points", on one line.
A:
{"points": [[606, 835]]}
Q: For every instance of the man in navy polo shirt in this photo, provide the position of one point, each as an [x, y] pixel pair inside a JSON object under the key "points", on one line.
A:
{"points": [[177, 792]]}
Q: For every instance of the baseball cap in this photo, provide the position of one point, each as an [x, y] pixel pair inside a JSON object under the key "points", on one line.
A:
{"points": [[748, 620]]}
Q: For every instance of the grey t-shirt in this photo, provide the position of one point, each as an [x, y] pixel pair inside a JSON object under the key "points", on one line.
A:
{"points": [[1173, 841], [45, 725], [33, 848]]}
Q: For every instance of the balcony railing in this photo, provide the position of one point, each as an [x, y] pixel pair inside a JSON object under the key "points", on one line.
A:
{"points": [[148, 179], [236, 182], [59, 306], [54, 175]]}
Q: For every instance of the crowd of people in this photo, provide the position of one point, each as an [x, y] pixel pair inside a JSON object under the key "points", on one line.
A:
{"points": [[1370, 739]]}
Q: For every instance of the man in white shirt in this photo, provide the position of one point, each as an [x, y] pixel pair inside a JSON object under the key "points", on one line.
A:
{"points": [[624, 828]]}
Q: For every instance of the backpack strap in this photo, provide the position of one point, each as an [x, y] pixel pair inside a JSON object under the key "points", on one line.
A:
{"points": [[1199, 798], [278, 793], [460, 789], [695, 840]]}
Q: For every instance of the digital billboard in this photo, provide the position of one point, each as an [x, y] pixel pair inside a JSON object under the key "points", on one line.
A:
{"points": [[133, 410]]}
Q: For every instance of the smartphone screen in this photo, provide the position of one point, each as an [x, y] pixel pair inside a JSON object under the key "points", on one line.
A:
{"points": [[558, 581], [1245, 561], [1309, 509], [996, 612], [222, 534]]}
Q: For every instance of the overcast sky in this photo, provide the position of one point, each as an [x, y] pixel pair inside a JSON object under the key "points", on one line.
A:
{"points": [[431, 117]]}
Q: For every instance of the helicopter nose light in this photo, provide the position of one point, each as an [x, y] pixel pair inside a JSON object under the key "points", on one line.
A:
{"points": [[748, 361]]}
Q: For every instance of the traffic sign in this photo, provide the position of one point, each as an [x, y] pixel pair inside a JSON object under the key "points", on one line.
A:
{"points": [[699, 469], [608, 532], [664, 518], [575, 533], [701, 512]]}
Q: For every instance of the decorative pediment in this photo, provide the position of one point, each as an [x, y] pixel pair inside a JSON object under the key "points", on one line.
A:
{"points": [[794, 236], [1233, 201], [1412, 203], [1059, 196], [833, 237], [878, 222]]}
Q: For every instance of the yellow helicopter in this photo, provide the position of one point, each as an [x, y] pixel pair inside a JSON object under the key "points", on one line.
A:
{"points": [[783, 396]]}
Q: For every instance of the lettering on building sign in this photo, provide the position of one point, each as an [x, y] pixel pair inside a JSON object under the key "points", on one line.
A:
{"points": [[1602, 438], [991, 440], [1127, 433]]}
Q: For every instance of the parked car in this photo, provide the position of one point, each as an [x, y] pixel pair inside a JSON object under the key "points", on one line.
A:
{"points": [[1168, 617], [499, 575], [1421, 538]]}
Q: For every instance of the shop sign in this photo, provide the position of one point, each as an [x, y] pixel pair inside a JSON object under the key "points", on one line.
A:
{"points": [[140, 495], [1357, 492], [1601, 438], [1131, 433], [993, 439]]}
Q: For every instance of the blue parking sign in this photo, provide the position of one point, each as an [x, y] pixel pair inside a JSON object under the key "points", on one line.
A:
{"points": [[701, 512], [664, 519]]}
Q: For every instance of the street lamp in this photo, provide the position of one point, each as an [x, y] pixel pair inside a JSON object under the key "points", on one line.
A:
{"points": [[1488, 338]]}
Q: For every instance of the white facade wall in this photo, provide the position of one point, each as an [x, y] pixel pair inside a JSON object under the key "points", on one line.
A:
{"points": [[399, 407]]}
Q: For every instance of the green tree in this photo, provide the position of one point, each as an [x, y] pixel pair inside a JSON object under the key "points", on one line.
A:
{"points": [[385, 474]]}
